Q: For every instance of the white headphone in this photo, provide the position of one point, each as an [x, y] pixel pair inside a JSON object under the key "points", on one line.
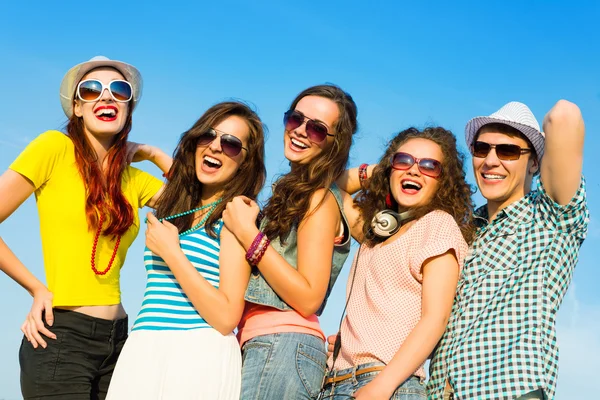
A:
{"points": [[387, 222]]}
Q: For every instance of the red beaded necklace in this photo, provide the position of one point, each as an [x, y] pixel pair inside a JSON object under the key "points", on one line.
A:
{"points": [[96, 244]]}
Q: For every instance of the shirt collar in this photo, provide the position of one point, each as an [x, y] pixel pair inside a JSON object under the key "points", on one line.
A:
{"points": [[517, 211]]}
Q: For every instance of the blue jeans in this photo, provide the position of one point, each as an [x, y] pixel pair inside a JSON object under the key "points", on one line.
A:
{"points": [[283, 366], [411, 389]]}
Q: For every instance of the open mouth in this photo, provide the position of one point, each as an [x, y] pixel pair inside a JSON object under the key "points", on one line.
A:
{"points": [[493, 177], [212, 163], [410, 187], [298, 145], [106, 113]]}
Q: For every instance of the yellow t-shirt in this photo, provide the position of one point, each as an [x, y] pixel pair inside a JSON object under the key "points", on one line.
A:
{"points": [[49, 162]]}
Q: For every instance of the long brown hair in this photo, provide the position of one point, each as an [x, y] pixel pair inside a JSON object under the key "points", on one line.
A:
{"points": [[183, 191], [452, 196], [293, 191], [103, 189]]}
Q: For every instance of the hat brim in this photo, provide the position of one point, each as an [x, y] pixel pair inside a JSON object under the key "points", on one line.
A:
{"points": [[535, 137], [74, 75]]}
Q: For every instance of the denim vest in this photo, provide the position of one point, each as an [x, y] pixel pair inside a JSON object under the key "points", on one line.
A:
{"points": [[259, 291]]}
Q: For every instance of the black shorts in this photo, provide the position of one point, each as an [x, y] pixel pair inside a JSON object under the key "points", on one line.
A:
{"points": [[77, 365]]}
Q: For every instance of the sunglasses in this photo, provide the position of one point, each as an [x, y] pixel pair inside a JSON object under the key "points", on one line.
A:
{"points": [[507, 152], [230, 145], [427, 166], [316, 131], [92, 89]]}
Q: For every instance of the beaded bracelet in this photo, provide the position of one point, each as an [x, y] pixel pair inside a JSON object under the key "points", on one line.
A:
{"points": [[254, 246], [257, 249], [362, 175], [264, 245]]}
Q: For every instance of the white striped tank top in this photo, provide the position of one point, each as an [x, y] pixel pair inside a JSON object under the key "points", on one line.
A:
{"points": [[165, 305]]}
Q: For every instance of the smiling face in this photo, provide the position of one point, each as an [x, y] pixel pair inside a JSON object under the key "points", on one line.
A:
{"points": [[503, 182], [411, 188], [105, 117], [298, 149], [213, 167]]}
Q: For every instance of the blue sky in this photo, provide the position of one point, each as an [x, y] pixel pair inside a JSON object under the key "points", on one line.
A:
{"points": [[439, 63]]}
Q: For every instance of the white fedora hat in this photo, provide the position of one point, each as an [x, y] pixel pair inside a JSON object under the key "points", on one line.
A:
{"points": [[74, 75], [514, 114]]}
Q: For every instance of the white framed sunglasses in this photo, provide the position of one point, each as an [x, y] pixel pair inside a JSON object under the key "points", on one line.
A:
{"points": [[92, 89]]}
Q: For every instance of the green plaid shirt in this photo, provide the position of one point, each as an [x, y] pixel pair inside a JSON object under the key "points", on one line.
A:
{"points": [[500, 342]]}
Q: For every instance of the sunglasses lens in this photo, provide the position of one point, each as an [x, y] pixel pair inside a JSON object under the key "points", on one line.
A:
{"points": [[481, 149], [90, 90], [206, 138], [402, 161], [508, 151], [292, 119], [231, 145], [430, 167], [121, 90], [315, 131]]}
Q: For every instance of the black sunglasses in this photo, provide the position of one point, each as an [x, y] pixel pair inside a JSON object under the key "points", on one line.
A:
{"points": [[230, 144], [504, 151], [427, 166], [316, 131]]}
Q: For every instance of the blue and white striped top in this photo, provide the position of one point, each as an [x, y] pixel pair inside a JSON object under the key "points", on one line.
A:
{"points": [[165, 305]]}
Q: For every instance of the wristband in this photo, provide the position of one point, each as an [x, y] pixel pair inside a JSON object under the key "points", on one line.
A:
{"points": [[254, 247], [362, 175], [257, 249], [167, 175], [264, 245]]}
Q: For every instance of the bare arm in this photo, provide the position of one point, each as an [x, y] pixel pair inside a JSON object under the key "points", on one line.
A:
{"points": [[13, 267], [563, 151], [353, 216], [348, 180], [14, 190], [137, 152], [440, 277], [221, 307], [304, 288]]}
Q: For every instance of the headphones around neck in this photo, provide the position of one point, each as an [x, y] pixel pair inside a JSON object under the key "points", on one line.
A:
{"points": [[388, 222]]}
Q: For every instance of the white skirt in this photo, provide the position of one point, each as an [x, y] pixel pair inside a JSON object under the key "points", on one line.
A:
{"points": [[196, 364]]}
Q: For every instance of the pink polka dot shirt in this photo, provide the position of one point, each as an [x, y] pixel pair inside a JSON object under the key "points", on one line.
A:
{"points": [[385, 304]]}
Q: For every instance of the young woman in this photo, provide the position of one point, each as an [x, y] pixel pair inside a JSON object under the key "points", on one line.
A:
{"points": [[182, 345], [283, 345], [402, 282], [87, 198]]}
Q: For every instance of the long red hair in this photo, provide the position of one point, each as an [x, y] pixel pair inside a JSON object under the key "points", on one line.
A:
{"points": [[103, 190]]}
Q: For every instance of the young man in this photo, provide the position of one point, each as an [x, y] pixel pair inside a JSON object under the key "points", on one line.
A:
{"points": [[500, 342]]}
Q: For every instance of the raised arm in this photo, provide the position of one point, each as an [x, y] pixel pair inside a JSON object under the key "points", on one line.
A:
{"points": [[303, 288], [349, 181], [137, 152], [14, 190], [440, 277], [353, 216], [221, 307], [562, 163]]}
